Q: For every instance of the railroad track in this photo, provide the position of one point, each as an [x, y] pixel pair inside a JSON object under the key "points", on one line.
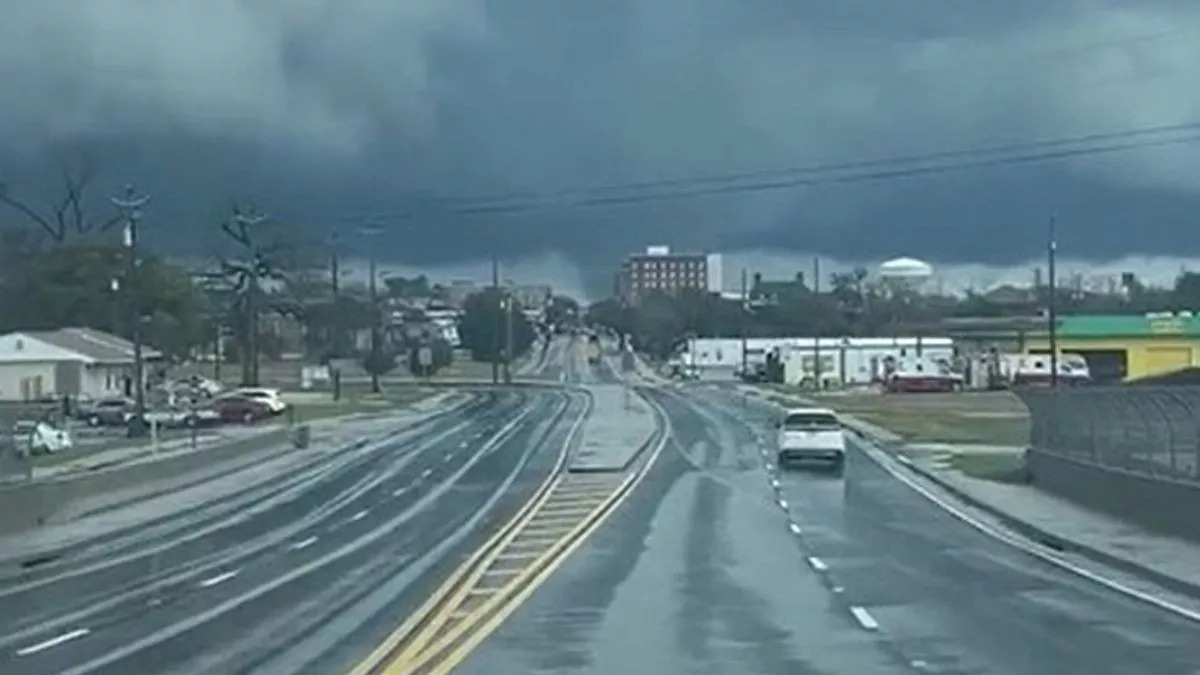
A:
{"points": [[502, 573]]}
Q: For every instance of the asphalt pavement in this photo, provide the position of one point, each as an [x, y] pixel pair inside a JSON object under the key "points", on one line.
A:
{"points": [[304, 578], [720, 564]]}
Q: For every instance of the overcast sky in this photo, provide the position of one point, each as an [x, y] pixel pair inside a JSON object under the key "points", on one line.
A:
{"points": [[326, 110]]}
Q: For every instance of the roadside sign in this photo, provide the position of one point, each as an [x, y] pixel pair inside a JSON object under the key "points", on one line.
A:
{"points": [[425, 357]]}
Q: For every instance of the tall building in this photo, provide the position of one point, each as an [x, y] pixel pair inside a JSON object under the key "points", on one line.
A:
{"points": [[658, 269]]}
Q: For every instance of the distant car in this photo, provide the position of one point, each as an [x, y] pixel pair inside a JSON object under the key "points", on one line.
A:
{"points": [[811, 435], [269, 397], [38, 437], [243, 409], [177, 417], [108, 412]]}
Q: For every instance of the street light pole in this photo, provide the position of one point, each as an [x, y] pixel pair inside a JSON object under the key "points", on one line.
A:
{"points": [[1052, 304], [130, 205], [816, 331], [508, 336]]}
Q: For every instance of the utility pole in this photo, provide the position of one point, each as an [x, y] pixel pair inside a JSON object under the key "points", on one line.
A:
{"points": [[508, 336], [816, 327], [130, 205], [335, 292], [376, 312], [1052, 304], [498, 328], [743, 321], [250, 359], [375, 321]]}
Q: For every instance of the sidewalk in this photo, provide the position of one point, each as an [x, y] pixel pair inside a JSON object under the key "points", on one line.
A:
{"points": [[1168, 561]]}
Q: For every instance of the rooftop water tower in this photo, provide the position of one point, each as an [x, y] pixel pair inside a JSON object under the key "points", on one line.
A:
{"points": [[905, 274]]}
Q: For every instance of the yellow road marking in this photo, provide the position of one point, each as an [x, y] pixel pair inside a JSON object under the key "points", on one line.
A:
{"points": [[500, 614], [396, 637]]}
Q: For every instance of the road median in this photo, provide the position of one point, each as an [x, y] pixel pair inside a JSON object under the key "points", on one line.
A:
{"points": [[621, 424]]}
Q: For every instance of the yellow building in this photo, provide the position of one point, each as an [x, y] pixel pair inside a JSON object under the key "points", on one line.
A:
{"points": [[1126, 347]]}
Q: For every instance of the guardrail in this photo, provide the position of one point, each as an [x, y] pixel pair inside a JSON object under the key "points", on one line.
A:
{"points": [[1133, 452]]}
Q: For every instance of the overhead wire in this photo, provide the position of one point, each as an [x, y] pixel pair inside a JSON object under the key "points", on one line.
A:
{"points": [[896, 167]]}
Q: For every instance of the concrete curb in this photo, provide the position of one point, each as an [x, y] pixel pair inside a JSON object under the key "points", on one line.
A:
{"points": [[1028, 530]]}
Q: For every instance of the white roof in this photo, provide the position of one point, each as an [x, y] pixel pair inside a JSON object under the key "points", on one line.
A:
{"points": [[906, 267], [811, 411]]}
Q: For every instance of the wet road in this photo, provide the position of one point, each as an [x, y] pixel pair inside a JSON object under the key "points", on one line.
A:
{"points": [[708, 568], [304, 577]]}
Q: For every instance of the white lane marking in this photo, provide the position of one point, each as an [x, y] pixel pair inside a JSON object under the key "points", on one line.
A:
{"points": [[426, 473], [303, 544], [794, 528], [783, 504], [904, 459], [399, 491], [464, 444], [770, 467], [448, 456], [838, 589], [358, 516], [53, 642], [775, 483], [1032, 549], [817, 564], [864, 618], [219, 579]]}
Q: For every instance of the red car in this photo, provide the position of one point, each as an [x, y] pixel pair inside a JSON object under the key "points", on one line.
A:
{"points": [[242, 409]]}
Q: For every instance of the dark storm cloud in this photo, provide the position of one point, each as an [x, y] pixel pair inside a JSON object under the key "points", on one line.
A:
{"points": [[324, 109]]}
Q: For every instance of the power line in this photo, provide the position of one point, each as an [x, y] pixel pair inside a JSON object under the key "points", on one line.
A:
{"points": [[898, 167]]}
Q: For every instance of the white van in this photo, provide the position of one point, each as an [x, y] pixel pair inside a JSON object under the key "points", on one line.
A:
{"points": [[811, 435]]}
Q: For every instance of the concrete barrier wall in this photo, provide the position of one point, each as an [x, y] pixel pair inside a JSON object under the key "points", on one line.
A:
{"points": [[1168, 506], [30, 505], [1133, 452]]}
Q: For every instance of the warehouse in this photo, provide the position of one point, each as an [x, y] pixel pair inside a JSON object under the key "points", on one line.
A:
{"points": [[1117, 347], [1127, 347]]}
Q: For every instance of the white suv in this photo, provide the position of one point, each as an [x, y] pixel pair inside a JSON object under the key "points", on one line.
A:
{"points": [[811, 435], [269, 397]]}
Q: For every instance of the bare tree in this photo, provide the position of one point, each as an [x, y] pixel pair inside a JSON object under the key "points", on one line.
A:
{"points": [[260, 259], [68, 213]]}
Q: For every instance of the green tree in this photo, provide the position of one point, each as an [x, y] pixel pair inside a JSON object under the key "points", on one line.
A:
{"points": [[483, 327]]}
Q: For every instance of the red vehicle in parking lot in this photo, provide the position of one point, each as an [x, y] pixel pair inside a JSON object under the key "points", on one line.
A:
{"points": [[242, 409]]}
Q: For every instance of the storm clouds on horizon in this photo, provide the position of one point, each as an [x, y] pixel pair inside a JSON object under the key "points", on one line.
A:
{"points": [[328, 112]]}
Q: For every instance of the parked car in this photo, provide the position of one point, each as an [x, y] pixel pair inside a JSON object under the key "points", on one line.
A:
{"points": [[178, 417], [269, 397], [107, 412], [38, 437], [243, 409]]}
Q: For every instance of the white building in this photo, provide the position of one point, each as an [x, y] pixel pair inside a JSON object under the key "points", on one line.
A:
{"points": [[844, 361], [36, 365]]}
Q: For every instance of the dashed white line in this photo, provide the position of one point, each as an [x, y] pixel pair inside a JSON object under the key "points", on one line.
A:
{"points": [[770, 467], [775, 483], [864, 618], [426, 473], [219, 579], [303, 544], [448, 456], [53, 642], [817, 564], [464, 444], [399, 491], [794, 528], [358, 516], [783, 504]]}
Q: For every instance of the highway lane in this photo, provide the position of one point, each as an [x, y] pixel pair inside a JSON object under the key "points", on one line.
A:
{"points": [[709, 569], [311, 579]]}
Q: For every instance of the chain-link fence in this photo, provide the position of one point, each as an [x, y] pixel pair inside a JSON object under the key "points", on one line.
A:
{"points": [[1150, 431]]}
